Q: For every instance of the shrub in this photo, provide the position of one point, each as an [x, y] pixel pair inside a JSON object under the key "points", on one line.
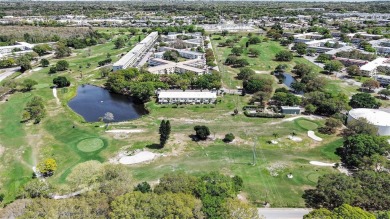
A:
{"points": [[202, 132], [264, 115], [62, 65], [61, 81], [229, 137]]}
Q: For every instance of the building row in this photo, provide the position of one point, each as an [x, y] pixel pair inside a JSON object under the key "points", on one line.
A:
{"points": [[186, 97], [132, 57], [161, 66]]}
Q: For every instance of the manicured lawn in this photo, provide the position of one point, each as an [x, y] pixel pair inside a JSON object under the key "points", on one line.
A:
{"points": [[263, 64], [64, 136]]}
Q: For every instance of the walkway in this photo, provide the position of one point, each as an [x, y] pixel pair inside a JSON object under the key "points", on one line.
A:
{"points": [[4, 73]]}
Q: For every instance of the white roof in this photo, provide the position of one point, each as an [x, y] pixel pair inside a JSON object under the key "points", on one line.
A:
{"points": [[371, 66], [187, 94], [373, 116]]}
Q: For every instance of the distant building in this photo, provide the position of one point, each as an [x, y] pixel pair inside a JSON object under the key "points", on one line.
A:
{"points": [[20, 46], [186, 97], [161, 66], [369, 69], [136, 53], [383, 79], [381, 46], [291, 110]]}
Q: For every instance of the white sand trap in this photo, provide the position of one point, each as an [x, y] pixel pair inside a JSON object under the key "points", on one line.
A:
{"points": [[274, 142], [294, 138], [313, 136], [142, 156], [125, 131], [318, 163]]}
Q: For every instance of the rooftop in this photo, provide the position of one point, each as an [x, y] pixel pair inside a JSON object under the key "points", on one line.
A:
{"points": [[373, 116], [371, 66], [187, 94]]}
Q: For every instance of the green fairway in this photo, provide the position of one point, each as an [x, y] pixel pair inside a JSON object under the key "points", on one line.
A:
{"points": [[306, 124]]}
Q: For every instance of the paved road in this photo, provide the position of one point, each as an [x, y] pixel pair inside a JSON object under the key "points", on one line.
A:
{"points": [[283, 213], [7, 72]]}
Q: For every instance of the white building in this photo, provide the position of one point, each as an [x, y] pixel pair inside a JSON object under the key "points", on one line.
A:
{"points": [[136, 53], [381, 46], [370, 68], [192, 97], [161, 66], [378, 118], [20, 46]]}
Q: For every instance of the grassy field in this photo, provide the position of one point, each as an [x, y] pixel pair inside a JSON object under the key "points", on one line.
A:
{"points": [[64, 136], [263, 64]]}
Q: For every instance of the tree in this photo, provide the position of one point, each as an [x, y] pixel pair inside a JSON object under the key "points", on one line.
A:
{"points": [[105, 71], [300, 48], [286, 99], [61, 81], [302, 69], [178, 182], [344, 211], [28, 84], [331, 125], [356, 149], [85, 174], [385, 93], [284, 56], [151, 205], [164, 131], [333, 65], [237, 209], [323, 58], [47, 167], [34, 109], [254, 40], [44, 62], [354, 70], [143, 187], [238, 50], [171, 55], [202, 132], [228, 137], [62, 65], [371, 84], [254, 52], [24, 62], [62, 51], [224, 32], [42, 49], [52, 70], [254, 85], [37, 188], [359, 126], [119, 43], [245, 73], [364, 100]]}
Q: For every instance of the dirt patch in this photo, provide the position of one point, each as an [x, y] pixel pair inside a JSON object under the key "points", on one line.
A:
{"points": [[2, 149], [242, 196]]}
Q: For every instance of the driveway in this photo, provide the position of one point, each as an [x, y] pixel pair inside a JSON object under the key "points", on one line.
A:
{"points": [[7, 72], [283, 213]]}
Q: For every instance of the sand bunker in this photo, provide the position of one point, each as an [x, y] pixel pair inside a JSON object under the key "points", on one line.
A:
{"points": [[313, 136], [294, 138], [140, 157], [318, 163]]}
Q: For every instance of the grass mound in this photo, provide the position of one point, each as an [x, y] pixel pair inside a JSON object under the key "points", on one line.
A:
{"points": [[90, 144], [306, 124]]}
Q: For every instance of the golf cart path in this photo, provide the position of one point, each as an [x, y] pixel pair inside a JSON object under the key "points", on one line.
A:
{"points": [[313, 136], [323, 164], [55, 95], [125, 131]]}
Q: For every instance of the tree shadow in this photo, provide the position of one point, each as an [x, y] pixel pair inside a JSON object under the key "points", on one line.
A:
{"points": [[154, 146], [194, 138]]}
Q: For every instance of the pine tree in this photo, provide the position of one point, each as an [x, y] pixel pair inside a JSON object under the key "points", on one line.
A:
{"points": [[164, 130]]}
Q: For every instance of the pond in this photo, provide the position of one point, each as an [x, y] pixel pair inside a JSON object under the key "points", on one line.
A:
{"points": [[93, 102], [288, 79]]}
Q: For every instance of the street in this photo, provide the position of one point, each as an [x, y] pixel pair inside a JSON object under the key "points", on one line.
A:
{"points": [[4, 73], [283, 213]]}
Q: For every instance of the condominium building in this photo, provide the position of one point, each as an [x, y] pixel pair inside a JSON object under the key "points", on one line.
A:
{"points": [[136, 53], [188, 97]]}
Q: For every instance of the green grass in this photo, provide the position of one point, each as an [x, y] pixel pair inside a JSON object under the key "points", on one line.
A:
{"points": [[264, 63], [90, 144], [66, 137]]}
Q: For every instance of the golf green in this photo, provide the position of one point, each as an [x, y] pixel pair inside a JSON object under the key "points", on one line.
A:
{"points": [[90, 144]]}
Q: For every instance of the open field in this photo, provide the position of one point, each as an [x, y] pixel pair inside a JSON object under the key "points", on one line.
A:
{"points": [[64, 136], [263, 64]]}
